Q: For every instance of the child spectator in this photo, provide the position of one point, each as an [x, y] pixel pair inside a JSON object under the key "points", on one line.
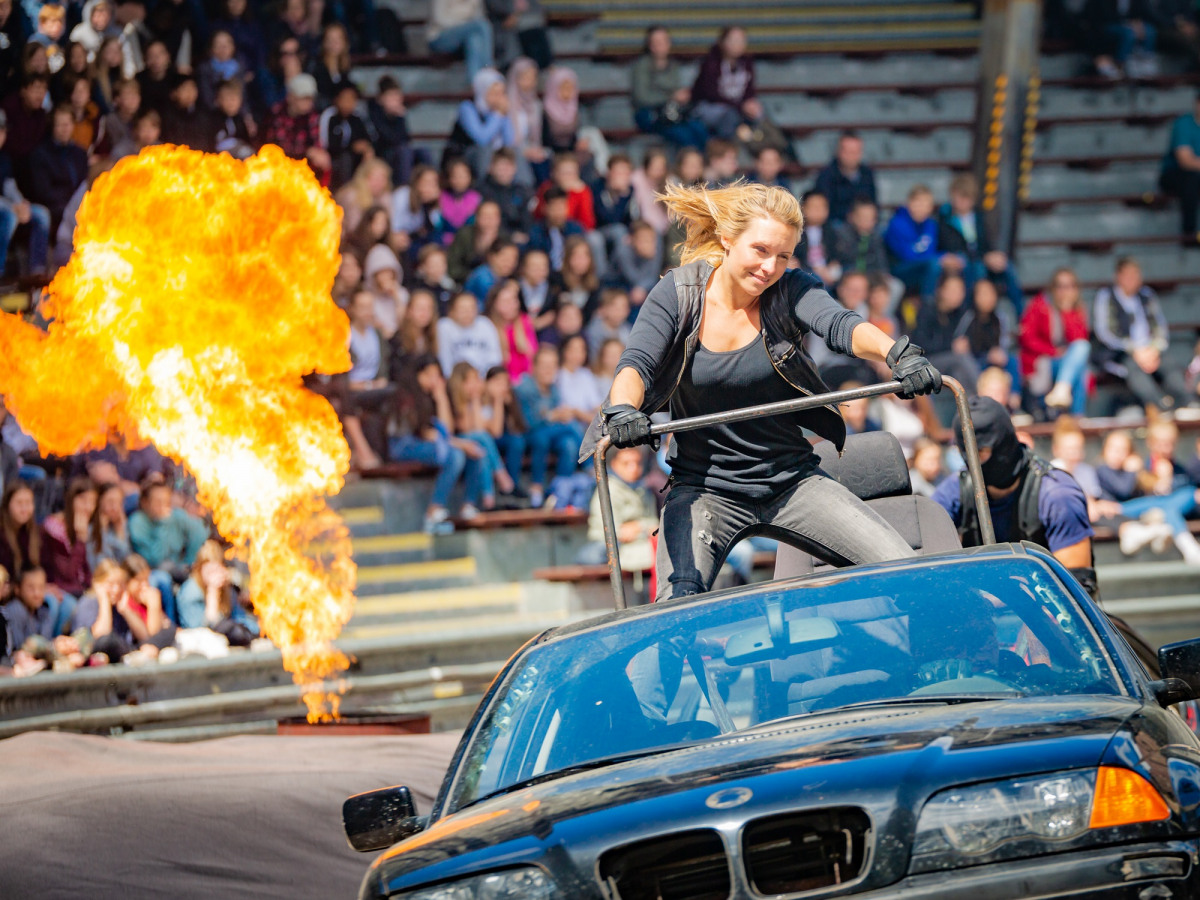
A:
{"points": [[373, 229], [465, 336], [343, 135], [1068, 449], [417, 213], [117, 125], [635, 516], [578, 387], [459, 199], [433, 278], [332, 68], [661, 101], [107, 69], [57, 167], [387, 122], [502, 259], [879, 306], [185, 122], [1055, 346], [1180, 174], [483, 125], [95, 26], [816, 248], [564, 174], [578, 283], [124, 611], [222, 65], [724, 95], [847, 178], [551, 234], [145, 132], [535, 288], [417, 335], [605, 366], [31, 612], [525, 112], [912, 242], [366, 196], [85, 112], [348, 279], [1131, 338], [513, 199], [648, 182], [471, 245], [108, 531], [384, 278], [768, 170], [857, 244], [157, 79], [518, 340], [208, 599], [64, 545], [611, 321], [996, 383], [638, 262], [51, 23], [560, 124], [613, 200], [466, 390], [237, 18], [15, 211], [163, 535], [27, 123], [925, 467], [369, 359], [720, 162], [941, 331], [502, 417], [22, 538], [961, 232], [568, 320], [552, 428], [990, 331], [236, 129], [295, 124]]}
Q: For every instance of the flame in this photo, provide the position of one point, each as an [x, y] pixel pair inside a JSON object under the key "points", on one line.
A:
{"points": [[197, 297]]}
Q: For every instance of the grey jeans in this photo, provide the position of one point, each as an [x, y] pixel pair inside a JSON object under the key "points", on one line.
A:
{"points": [[818, 515]]}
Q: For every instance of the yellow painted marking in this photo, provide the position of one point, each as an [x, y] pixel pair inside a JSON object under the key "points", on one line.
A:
{"points": [[417, 571], [393, 543], [361, 515], [427, 601]]}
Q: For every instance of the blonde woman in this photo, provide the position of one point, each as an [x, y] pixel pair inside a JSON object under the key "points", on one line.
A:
{"points": [[725, 326], [370, 186]]}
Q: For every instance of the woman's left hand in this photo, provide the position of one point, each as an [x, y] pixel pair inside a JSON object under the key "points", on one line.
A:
{"points": [[915, 373]]}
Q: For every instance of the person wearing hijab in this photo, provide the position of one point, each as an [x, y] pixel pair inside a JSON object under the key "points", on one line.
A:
{"points": [[562, 110], [483, 124], [525, 113]]}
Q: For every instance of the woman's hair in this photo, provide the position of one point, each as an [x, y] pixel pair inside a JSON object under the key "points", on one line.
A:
{"points": [[418, 172], [12, 532], [100, 72], [456, 386], [357, 188], [489, 306], [343, 58], [711, 214], [600, 353], [135, 566], [211, 552], [76, 487], [362, 239], [413, 338], [567, 341], [589, 281], [413, 405], [105, 569], [97, 524]]}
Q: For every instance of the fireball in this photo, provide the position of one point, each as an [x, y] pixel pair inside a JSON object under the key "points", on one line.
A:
{"points": [[197, 298]]}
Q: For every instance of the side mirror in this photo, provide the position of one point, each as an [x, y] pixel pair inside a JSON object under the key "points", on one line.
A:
{"points": [[1181, 662], [375, 820]]}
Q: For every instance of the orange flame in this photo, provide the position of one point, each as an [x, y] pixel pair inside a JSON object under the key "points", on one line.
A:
{"points": [[197, 297]]}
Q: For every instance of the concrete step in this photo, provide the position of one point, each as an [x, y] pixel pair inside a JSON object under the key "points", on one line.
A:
{"points": [[850, 37], [446, 605], [783, 15], [388, 549], [1148, 581], [1167, 262], [364, 521], [1111, 222], [414, 576]]}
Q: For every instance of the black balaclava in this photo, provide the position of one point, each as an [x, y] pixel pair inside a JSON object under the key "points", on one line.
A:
{"points": [[994, 429]]}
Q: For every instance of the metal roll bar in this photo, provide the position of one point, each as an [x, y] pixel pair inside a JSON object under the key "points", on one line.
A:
{"points": [[774, 409]]}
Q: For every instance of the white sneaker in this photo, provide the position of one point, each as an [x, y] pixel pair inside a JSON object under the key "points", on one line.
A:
{"points": [[438, 522], [1136, 536], [1187, 414], [1060, 396], [536, 497], [1108, 70], [1190, 548], [468, 511]]}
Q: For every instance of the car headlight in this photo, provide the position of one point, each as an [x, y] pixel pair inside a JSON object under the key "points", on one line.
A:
{"points": [[998, 820], [511, 884]]}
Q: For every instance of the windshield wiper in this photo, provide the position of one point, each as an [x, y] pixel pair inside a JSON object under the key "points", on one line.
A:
{"points": [[576, 768]]}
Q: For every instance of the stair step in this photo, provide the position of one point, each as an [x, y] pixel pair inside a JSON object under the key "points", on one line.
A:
{"points": [[427, 574], [452, 603], [1160, 606], [1147, 581]]}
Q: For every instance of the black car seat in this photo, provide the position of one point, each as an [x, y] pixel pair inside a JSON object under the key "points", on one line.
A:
{"points": [[873, 467]]}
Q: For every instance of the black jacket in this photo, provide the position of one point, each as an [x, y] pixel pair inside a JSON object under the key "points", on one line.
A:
{"points": [[667, 333]]}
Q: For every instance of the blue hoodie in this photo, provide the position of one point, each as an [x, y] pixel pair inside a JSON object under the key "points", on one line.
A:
{"points": [[908, 241]]}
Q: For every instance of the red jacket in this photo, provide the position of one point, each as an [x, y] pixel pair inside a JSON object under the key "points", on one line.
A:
{"points": [[1036, 340], [580, 206]]}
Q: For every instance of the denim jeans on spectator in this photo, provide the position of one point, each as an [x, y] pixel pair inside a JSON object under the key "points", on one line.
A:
{"points": [[1008, 281], [721, 119], [687, 132], [1127, 42], [39, 235], [473, 38], [1175, 507], [560, 438], [451, 461], [481, 473], [162, 580], [920, 275], [1072, 368], [512, 448]]}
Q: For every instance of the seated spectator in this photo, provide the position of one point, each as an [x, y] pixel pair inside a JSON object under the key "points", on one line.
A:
{"points": [[1124, 38], [465, 388], [912, 242], [417, 212], [108, 531], [51, 24], [578, 386], [648, 182], [816, 248], [613, 200], [383, 278], [85, 112], [661, 101], [146, 131], [637, 262], [466, 336], [858, 245], [578, 282], [373, 228], [417, 334], [221, 66], [95, 25], [348, 278], [208, 599], [31, 612], [124, 611], [962, 232], [721, 163], [552, 428], [605, 365], [635, 516], [560, 111], [512, 199], [996, 384], [857, 413], [991, 332], [295, 125], [724, 95], [370, 187], [369, 357], [1180, 175], [941, 331], [502, 418], [431, 276], [236, 129], [568, 321], [462, 26], [157, 79], [520, 27], [1055, 346], [534, 281], [564, 174], [847, 178], [343, 135], [552, 233], [22, 538], [27, 120], [835, 367], [518, 340], [116, 126], [332, 65], [16, 211], [458, 200], [525, 112], [300, 21], [483, 125], [473, 242], [611, 321], [501, 263], [288, 59], [64, 546], [387, 121], [236, 18], [926, 466], [1068, 447], [107, 70], [1131, 338], [57, 167], [163, 535], [186, 122], [879, 306]]}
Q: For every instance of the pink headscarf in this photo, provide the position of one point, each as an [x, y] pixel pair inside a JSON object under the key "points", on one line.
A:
{"points": [[562, 115]]}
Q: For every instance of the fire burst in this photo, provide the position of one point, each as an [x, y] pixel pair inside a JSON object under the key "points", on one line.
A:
{"points": [[197, 297]]}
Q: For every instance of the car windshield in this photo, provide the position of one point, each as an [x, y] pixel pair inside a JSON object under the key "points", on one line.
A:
{"points": [[988, 627]]}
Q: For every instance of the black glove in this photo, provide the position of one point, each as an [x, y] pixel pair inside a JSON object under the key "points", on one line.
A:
{"points": [[627, 426], [913, 371]]}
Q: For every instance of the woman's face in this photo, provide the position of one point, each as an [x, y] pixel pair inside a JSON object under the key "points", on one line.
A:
{"points": [[380, 225], [610, 355], [929, 462], [38, 63], [758, 257], [659, 43], [487, 218], [429, 378], [222, 47], [81, 94], [434, 268], [580, 259], [112, 505], [734, 44], [495, 95], [508, 303], [1117, 449], [110, 588], [536, 268], [20, 507], [656, 167], [691, 167], [985, 297], [78, 59], [85, 504], [567, 89], [1066, 291], [499, 385], [464, 309], [428, 189], [334, 41], [421, 310], [110, 54], [473, 385], [527, 80], [236, 8], [377, 180], [459, 177], [574, 353]]}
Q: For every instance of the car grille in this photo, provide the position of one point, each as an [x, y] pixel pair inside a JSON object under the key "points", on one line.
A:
{"points": [[687, 866], [799, 852]]}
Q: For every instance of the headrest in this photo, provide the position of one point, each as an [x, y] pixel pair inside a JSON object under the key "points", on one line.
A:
{"points": [[871, 466]]}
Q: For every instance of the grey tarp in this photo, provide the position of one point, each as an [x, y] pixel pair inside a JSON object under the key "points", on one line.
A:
{"points": [[99, 817]]}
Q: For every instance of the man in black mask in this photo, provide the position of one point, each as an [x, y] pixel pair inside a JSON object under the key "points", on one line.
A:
{"points": [[1029, 500]]}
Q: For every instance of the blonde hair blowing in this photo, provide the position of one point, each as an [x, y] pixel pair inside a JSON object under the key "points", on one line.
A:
{"points": [[711, 214]]}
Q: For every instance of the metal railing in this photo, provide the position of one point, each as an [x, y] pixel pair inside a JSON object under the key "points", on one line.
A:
{"points": [[775, 409]]}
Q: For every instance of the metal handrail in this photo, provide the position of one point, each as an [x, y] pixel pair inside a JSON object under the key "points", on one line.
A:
{"points": [[800, 404]]}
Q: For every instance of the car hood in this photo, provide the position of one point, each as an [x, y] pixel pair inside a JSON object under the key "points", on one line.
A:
{"points": [[886, 760]]}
